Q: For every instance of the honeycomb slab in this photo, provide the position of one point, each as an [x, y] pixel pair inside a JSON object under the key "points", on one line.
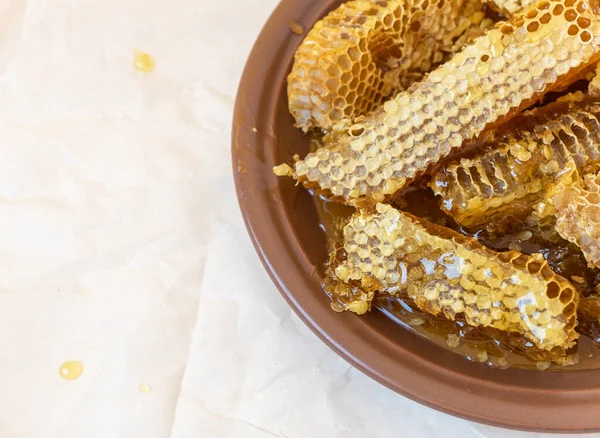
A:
{"points": [[515, 165], [443, 272], [364, 51], [544, 47]]}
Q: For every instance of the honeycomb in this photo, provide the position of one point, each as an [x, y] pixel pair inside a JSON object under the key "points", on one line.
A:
{"points": [[475, 31], [576, 204], [509, 7], [589, 308], [594, 85], [364, 51], [443, 272], [519, 161], [544, 47], [588, 313]]}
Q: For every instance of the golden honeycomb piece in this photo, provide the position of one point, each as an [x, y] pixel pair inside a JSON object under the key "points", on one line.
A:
{"points": [[443, 272], [519, 161], [364, 51], [576, 206], [543, 48]]}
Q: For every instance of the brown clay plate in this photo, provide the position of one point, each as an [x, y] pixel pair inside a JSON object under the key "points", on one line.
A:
{"points": [[283, 225]]}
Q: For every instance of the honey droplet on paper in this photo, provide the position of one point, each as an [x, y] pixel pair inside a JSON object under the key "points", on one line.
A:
{"points": [[144, 62], [71, 370], [145, 388]]}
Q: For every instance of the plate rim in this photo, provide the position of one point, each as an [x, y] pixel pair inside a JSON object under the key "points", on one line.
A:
{"points": [[511, 398]]}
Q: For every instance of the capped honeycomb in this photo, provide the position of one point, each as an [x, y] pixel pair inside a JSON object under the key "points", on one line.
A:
{"points": [[576, 204], [443, 272], [509, 7], [475, 31], [364, 51], [519, 161], [544, 47]]}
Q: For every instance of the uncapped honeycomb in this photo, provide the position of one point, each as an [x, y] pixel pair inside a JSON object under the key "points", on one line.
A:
{"points": [[576, 204], [543, 48], [443, 272], [519, 161], [365, 50]]}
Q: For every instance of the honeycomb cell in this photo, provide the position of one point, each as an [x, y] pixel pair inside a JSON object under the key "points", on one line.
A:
{"points": [[519, 161], [405, 127], [431, 260], [382, 46]]}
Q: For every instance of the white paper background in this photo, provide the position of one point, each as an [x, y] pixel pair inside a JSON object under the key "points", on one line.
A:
{"points": [[122, 245]]}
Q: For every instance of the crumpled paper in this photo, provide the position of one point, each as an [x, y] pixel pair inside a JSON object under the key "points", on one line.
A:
{"points": [[122, 245]]}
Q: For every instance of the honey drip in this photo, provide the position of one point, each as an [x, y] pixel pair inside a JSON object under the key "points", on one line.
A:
{"points": [[71, 370], [143, 62]]}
